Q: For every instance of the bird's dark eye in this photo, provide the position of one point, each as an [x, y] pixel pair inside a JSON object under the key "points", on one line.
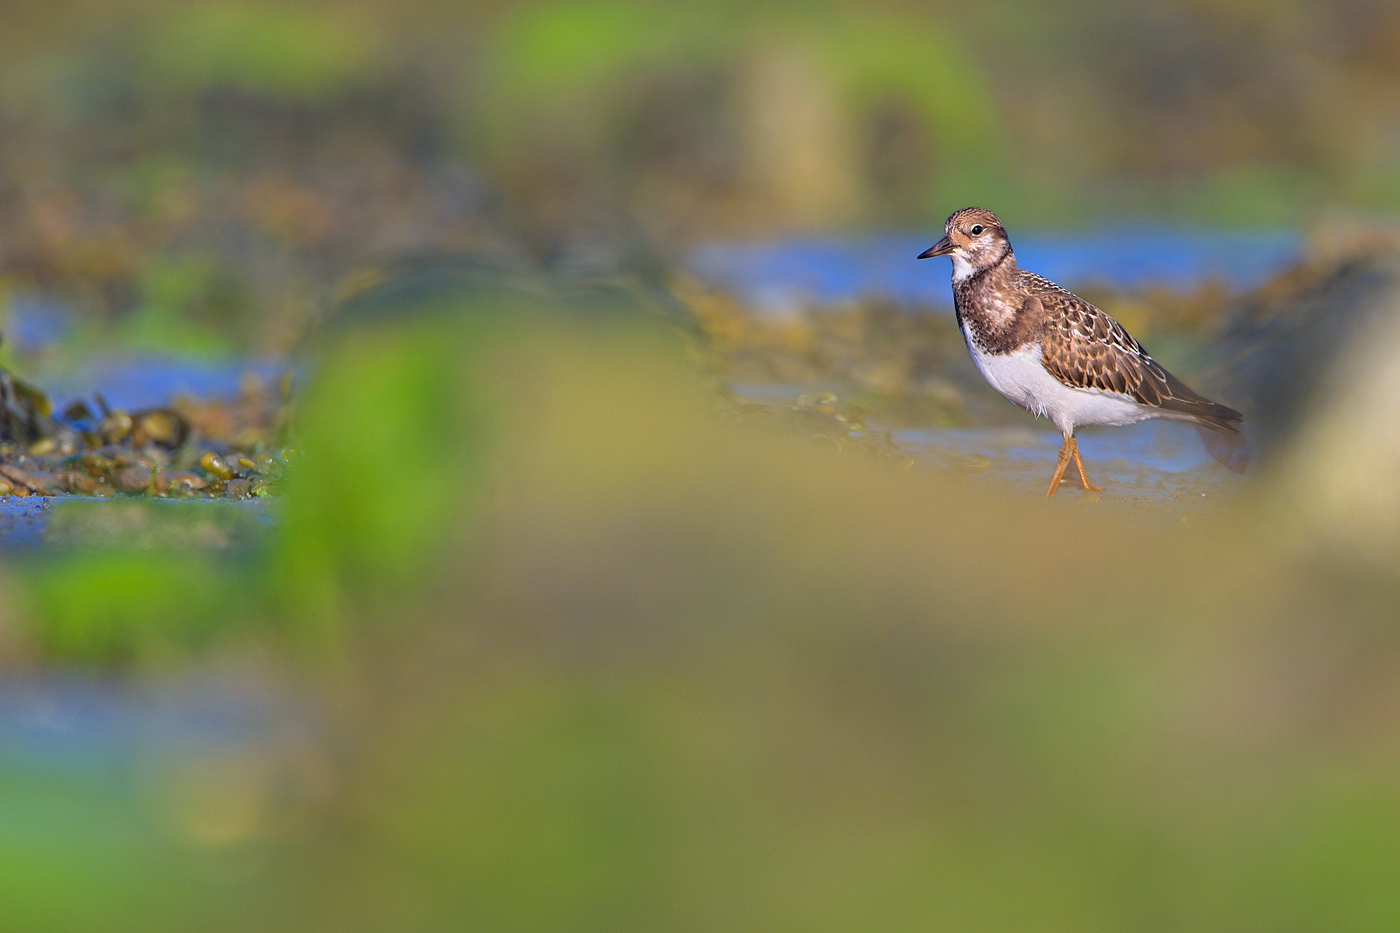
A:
{"points": [[976, 230]]}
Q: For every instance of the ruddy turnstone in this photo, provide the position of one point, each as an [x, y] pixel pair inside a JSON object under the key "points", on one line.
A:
{"points": [[1054, 354]]}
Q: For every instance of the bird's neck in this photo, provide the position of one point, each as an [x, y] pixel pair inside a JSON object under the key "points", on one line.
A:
{"points": [[988, 303], [1003, 267], [1002, 271]]}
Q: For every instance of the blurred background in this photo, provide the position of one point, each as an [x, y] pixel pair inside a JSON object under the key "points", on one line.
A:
{"points": [[216, 171], [498, 465]]}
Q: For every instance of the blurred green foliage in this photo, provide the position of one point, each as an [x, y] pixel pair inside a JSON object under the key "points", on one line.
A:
{"points": [[190, 305], [120, 605], [138, 581], [391, 427], [287, 51], [615, 665], [81, 852]]}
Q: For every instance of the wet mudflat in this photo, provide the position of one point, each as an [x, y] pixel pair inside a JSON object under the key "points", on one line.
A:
{"points": [[228, 444], [163, 419], [1156, 464]]}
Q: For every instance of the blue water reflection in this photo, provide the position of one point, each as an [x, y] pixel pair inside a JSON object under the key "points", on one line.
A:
{"points": [[781, 275], [71, 721], [149, 381]]}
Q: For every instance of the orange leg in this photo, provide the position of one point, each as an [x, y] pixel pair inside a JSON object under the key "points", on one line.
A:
{"points": [[1065, 457], [1070, 451], [1089, 491]]}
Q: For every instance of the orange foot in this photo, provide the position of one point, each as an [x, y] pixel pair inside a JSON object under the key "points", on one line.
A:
{"points": [[1090, 491], [1069, 450], [1065, 457]]}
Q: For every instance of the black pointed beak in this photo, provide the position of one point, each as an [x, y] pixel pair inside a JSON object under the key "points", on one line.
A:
{"points": [[942, 248]]}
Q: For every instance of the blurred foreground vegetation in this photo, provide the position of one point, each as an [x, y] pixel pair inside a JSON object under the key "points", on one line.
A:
{"points": [[598, 660]]}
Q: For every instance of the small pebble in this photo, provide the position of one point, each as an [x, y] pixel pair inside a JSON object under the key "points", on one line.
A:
{"points": [[96, 464], [115, 427], [161, 427], [134, 478], [216, 465], [185, 480]]}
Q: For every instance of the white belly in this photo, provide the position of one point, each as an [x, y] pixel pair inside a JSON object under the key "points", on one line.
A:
{"points": [[1021, 378]]}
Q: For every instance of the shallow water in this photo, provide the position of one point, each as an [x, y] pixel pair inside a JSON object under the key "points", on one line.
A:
{"points": [[22, 521], [782, 275], [134, 382], [25, 522], [1156, 463], [1161, 464]]}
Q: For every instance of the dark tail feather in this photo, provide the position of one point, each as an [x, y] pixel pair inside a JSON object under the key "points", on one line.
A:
{"points": [[1219, 426], [1226, 444]]}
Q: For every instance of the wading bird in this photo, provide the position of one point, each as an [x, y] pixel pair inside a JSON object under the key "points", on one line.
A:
{"points": [[1054, 354]]}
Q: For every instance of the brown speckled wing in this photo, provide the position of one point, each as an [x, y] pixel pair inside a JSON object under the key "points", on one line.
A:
{"points": [[1085, 348]]}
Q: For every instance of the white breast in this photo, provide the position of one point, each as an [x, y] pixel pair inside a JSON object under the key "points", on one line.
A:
{"points": [[1022, 378]]}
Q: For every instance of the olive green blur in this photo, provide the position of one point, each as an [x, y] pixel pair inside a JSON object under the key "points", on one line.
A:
{"points": [[616, 664]]}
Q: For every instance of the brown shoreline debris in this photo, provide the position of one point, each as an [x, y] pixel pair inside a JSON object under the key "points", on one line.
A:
{"points": [[205, 447]]}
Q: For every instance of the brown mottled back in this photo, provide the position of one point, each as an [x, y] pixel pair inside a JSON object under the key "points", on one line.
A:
{"points": [[1086, 348]]}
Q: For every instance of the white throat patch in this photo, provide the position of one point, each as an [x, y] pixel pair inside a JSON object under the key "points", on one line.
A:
{"points": [[962, 269]]}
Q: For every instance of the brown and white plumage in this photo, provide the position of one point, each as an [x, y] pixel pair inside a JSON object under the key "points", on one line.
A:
{"points": [[1057, 355]]}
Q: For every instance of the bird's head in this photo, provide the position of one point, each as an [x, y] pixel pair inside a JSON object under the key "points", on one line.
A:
{"points": [[975, 240]]}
